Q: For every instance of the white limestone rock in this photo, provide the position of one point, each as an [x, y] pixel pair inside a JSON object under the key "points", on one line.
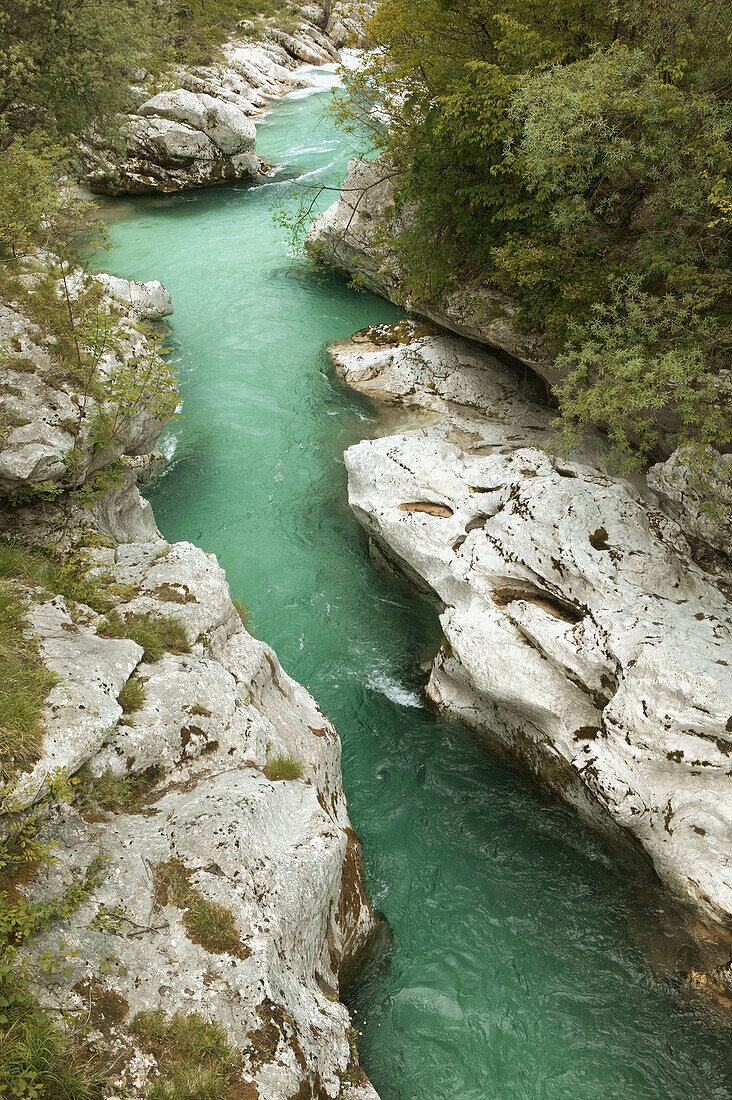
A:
{"points": [[201, 132], [149, 301], [228, 128], [279, 855], [580, 635], [42, 413]]}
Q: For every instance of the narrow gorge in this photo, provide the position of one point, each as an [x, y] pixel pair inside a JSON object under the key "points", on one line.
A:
{"points": [[439, 812]]}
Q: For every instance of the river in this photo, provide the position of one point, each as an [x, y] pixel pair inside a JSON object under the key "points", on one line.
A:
{"points": [[513, 972]]}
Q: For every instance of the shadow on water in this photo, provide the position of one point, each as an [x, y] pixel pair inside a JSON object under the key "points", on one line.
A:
{"points": [[513, 972]]}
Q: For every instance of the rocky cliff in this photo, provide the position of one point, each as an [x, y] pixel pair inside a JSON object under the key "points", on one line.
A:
{"points": [[353, 234], [584, 634], [204, 872], [195, 126]]}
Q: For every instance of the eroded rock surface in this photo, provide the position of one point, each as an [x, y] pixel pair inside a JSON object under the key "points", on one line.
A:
{"points": [[269, 911], [279, 855], [580, 637]]}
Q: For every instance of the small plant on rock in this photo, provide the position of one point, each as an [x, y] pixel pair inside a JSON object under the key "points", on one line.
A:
{"points": [[132, 696], [156, 635], [206, 922], [284, 767]]}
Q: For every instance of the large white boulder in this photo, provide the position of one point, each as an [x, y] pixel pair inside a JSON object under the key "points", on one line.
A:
{"points": [[581, 635], [150, 301], [228, 128]]}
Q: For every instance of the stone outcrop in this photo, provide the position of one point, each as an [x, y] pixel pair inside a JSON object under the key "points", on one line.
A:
{"points": [[580, 636], [199, 128], [147, 301], [353, 234], [272, 863], [698, 494], [44, 416]]}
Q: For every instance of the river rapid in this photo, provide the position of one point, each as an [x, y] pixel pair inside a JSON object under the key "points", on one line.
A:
{"points": [[514, 970]]}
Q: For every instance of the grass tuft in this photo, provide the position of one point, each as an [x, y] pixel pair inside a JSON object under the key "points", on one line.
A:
{"points": [[284, 767], [156, 635], [242, 611], [132, 696], [195, 1059], [206, 922]]}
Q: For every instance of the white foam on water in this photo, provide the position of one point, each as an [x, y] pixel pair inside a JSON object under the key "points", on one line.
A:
{"points": [[323, 77], [393, 690]]}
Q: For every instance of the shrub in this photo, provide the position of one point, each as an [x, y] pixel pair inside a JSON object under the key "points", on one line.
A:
{"points": [[551, 152], [283, 767]]}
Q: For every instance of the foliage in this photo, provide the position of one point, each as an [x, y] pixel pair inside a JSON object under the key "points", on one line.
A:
{"points": [[553, 151], [156, 635], [638, 357], [31, 204], [111, 793], [195, 1059], [24, 684], [63, 62], [206, 922], [283, 767], [132, 696]]}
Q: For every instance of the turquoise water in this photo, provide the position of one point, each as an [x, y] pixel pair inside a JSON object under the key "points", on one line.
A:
{"points": [[513, 972]]}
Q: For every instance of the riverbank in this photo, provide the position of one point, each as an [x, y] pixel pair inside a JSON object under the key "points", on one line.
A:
{"points": [[194, 127], [580, 635], [204, 880]]}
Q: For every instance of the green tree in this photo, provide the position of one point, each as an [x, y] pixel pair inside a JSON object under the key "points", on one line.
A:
{"points": [[554, 149]]}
